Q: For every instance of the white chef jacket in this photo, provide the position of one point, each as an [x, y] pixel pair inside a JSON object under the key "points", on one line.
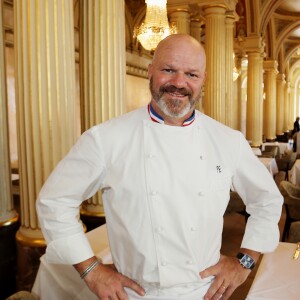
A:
{"points": [[165, 191]]}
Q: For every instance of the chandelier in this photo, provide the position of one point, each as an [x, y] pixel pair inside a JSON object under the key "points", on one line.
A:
{"points": [[156, 26]]}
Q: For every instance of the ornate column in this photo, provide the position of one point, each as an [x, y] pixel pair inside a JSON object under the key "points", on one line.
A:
{"points": [[293, 104], [287, 108], [280, 83], [8, 217], [45, 98], [254, 49], [239, 98], [195, 29], [214, 101], [181, 18], [229, 63], [269, 112], [103, 61]]}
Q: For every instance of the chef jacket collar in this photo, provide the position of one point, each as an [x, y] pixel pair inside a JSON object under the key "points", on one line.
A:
{"points": [[155, 117]]}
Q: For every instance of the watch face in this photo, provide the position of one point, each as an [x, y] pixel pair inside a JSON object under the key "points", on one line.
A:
{"points": [[247, 261]]}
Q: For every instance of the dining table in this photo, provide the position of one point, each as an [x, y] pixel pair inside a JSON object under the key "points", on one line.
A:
{"points": [[270, 164], [277, 277]]}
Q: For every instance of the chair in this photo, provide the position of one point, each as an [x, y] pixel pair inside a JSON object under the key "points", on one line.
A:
{"points": [[294, 233], [291, 194], [286, 163], [272, 151]]}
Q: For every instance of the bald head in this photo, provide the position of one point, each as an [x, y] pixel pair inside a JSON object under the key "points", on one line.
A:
{"points": [[181, 43], [177, 74]]}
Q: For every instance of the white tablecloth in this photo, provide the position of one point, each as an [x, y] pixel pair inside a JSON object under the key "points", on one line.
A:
{"points": [[270, 164], [62, 282], [294, 173], [256, 151], [278, 276]]}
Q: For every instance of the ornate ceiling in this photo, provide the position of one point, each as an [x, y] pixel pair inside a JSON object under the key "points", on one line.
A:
{"points": [[277, 22]]}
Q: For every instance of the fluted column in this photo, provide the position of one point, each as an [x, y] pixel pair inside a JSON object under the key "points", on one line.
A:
{"points": [[7, 213], [287, 108], [295, 103], [196, 30], [239, 98], [181, 18], [103, 70], [45, 98], [254, 99], [214, 101], [229, 63], [269, 112], [45, 88], [293, 106], [280, 83]]}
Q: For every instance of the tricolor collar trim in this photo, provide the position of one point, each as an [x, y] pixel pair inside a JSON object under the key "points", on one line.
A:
{"points": [[155, 117]]}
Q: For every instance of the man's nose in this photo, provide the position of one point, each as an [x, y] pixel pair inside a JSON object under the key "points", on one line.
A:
{"points": [[179, 80]]}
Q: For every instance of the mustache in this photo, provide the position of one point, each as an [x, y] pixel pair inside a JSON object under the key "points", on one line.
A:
{"points": [[174, 89]]}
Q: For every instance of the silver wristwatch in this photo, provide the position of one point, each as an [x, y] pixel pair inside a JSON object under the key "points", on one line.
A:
{"points": [[246, 261]]}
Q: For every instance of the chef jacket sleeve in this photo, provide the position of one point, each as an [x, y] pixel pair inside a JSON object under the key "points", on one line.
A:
{"points": [[76, 178], [263, 200]]}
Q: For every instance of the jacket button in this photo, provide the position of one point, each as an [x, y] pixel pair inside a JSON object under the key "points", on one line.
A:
{"points": [[200, 194]]}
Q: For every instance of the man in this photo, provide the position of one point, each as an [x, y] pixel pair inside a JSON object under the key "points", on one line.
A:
{"points": [[296, 125], [166, 171]]}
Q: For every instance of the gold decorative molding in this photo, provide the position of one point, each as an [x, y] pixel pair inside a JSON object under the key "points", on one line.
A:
{"points": [[136, 71], [91, 213], [137, 65], [10, 221], [28, 241]]}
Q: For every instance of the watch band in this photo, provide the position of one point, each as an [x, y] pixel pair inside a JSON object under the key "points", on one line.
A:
{"points": [[246, 261]]}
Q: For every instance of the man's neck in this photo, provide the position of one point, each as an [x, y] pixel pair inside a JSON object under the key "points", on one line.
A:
{"points": [[172, 121]]}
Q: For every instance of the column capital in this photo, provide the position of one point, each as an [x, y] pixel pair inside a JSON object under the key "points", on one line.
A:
{"points": [[228, 4], [281, 77], [270, 66], [231, 16], [218, 9], [254, 43]]}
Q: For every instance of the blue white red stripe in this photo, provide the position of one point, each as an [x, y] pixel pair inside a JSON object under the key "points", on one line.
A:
{"points": [[155, 117]]}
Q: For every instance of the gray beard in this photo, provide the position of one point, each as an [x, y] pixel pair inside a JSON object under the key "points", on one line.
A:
{"points": [[168, 112], [167, 105]]}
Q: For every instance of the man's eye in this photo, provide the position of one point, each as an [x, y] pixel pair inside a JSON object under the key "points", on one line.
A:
{"points": [[192, 75], [168, 70]]}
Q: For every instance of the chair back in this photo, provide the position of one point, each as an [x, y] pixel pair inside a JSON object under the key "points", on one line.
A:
{"points": [[292, 160], [291, 194], [294, 233]]}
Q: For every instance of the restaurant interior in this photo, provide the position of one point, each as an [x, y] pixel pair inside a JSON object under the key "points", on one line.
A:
{"points": [[67, 65]]}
